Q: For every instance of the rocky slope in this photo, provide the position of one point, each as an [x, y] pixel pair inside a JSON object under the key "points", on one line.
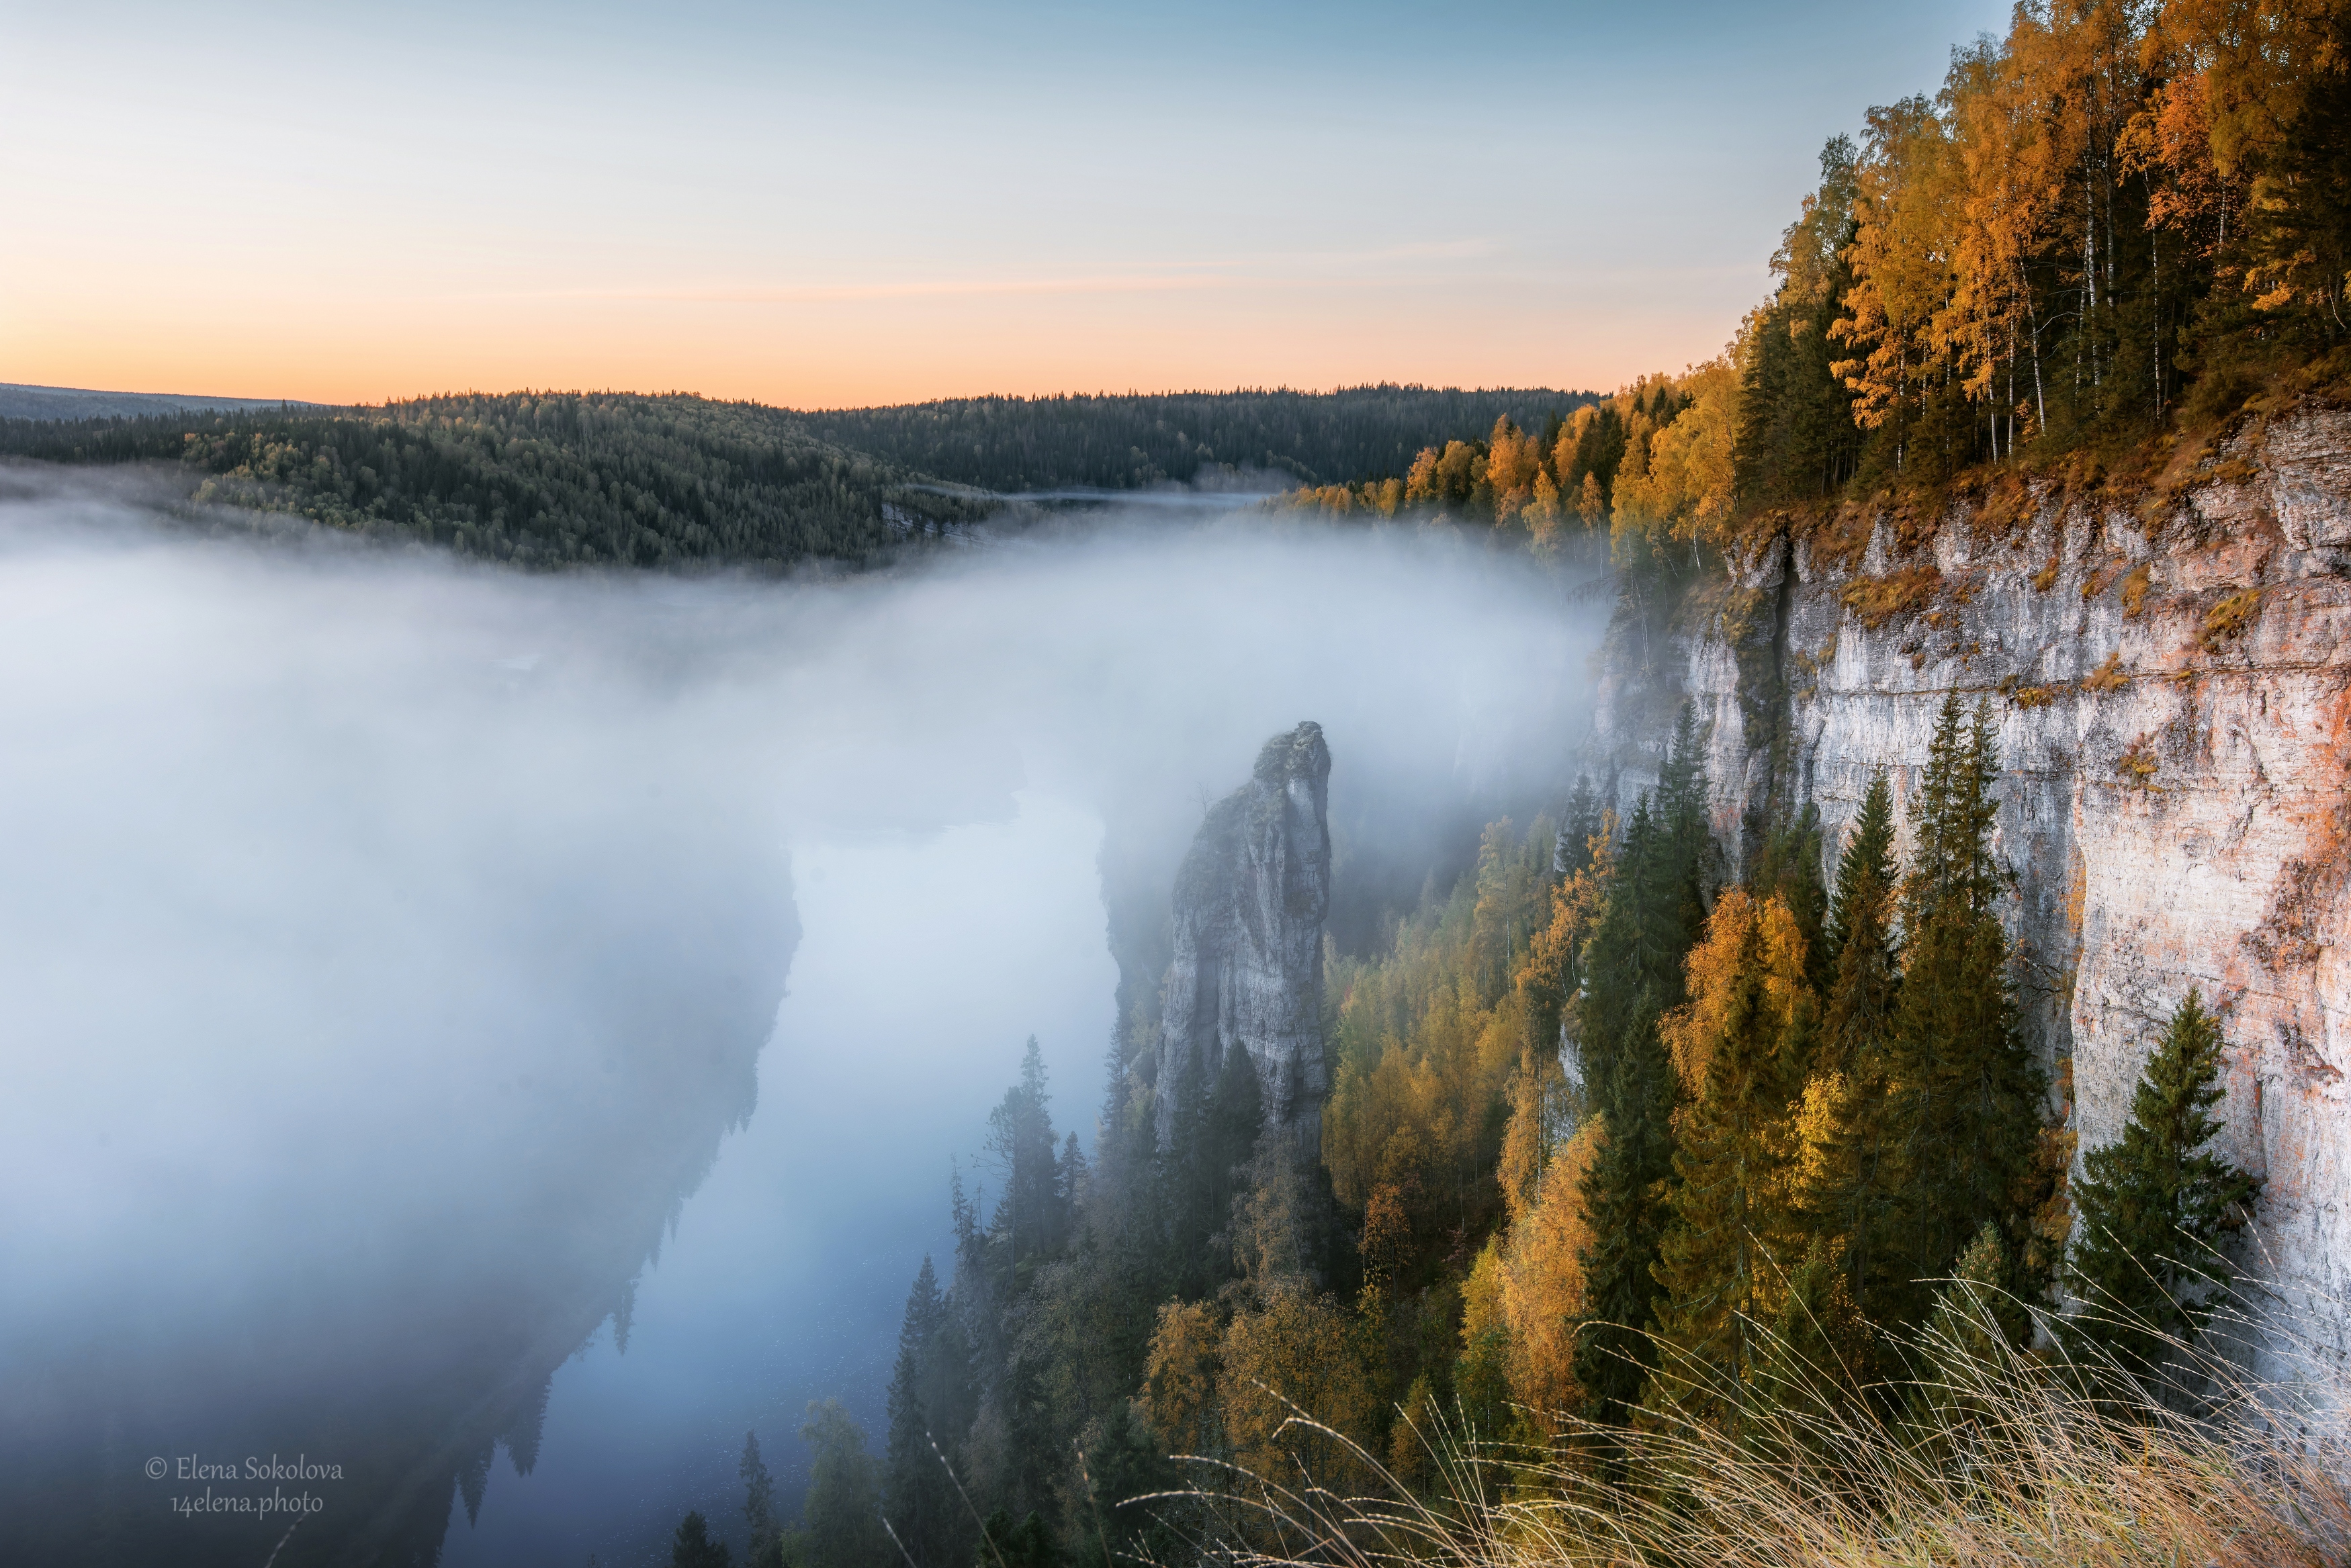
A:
{"points": [[1251, 899], [2169, 672]]}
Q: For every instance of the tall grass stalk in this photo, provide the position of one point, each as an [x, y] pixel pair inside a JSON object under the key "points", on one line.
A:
{"points": [[1981, 1455]]}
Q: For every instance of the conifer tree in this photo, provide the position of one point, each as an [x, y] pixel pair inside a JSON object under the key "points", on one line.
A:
{"points": [[2155, 1200], [1682, 810], [1740, 1049], [1964, 1342], [1788, 867], [930, 1406], [843, 1513], [1964, 1109], [693, 1548], [759, 1496], [1031, 1215], [1623, 1193], [1577, 825], [1633, 975], [1853, 1198]]}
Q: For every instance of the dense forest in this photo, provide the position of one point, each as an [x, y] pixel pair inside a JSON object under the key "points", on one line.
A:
{"points": [[559, 478], [1131, 442], [1794, 1152], [2108, 233], [536, 478], [1634, 1177]]}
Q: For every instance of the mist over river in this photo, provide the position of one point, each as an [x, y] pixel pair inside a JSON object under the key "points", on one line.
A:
{"points": [[419, 975]]}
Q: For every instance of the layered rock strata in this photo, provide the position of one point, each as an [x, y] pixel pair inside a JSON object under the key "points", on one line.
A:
{"points": [[1247, 974], [2171, 675]]}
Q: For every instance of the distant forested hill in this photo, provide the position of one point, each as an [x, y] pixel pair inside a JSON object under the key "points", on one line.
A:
{"points": [[20, 401], [536, 478], [1129, 441]]}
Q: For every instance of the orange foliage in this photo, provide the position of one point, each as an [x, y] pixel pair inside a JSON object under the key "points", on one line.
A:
{"points": [[1541, 1281], [1745, 937], [1296, 1353], [1179, 1381]]}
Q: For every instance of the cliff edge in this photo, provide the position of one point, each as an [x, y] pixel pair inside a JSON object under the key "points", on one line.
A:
{"points": [[2171, 673]]}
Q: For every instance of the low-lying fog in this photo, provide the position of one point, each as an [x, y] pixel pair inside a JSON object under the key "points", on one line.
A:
{"points": [[397, 953]]}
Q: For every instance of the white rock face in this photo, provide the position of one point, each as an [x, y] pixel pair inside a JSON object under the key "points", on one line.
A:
{"points": [[2174, 792], [1250, 900]]}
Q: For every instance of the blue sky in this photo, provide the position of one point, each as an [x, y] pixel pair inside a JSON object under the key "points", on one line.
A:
{"points": [[825, 204]]}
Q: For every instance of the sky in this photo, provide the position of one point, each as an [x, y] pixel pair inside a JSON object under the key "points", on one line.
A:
{"points": [[822, 205]]}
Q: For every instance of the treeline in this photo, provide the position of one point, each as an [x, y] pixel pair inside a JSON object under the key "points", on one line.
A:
{"points": [[1133, 441], [1568, 476], [536, 478], [2116, 225], [1613, 1145]]}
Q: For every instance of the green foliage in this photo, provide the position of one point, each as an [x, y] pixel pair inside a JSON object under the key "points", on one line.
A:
{"points": [[842, 1515], [1788, 867], [1965, 1097], [759, 1496], [2154, 1202], [1124, 1460], [1033, 1218], [1797, 441], [1632, 969], [1624, 1198], [1125, 442], [1027, 1544], [1856, 1195], [1749, 1021], [537, 479], [932, 1403], [1210, 1139], [693, 1548]]}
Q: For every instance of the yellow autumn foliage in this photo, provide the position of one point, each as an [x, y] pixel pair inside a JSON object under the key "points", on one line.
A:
{"points": [[1541, 1281], [1745, 936]]}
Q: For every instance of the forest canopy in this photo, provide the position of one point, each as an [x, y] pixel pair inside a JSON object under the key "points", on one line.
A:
{"points": [[536, 479], [2118, 225], [1134, 440]]}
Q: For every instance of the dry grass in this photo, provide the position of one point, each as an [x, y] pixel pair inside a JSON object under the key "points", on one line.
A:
{"points": [[2135, 593], [1877, 600], [2107, 677], [1996, 1459], [2227, 621]]}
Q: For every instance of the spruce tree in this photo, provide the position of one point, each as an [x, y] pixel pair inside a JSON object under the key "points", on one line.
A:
{"points": [[1031, 1215], [842, 1512], [693, 1548], [1577, 826], [2155, 1200], [1788, 867], [1623, 1193], [1682, 810], [930, 1405], [1741, 1045], [1853, 1198], [1632, 969], [1965, 1101], [759, 1496]]}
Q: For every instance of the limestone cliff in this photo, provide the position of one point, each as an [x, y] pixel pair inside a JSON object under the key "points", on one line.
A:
{"points": [[1247, 973], [2172, 676]]}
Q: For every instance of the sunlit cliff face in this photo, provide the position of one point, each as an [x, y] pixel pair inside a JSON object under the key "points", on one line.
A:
{"points": [[389, 944]]}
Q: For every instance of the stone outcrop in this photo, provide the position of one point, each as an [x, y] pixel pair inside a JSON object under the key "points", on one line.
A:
{"points": [[2172, 674], [1247, 974]]}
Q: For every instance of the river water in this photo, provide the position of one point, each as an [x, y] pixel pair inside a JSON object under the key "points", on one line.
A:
{"points": [[412, 971], [790, 1267]]}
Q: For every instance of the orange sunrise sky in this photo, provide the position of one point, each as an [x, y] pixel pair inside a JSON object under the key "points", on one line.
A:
{"points": [[811, 207]]}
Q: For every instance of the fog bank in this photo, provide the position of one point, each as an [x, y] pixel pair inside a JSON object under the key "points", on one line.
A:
{"points": [[390, 944]]}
